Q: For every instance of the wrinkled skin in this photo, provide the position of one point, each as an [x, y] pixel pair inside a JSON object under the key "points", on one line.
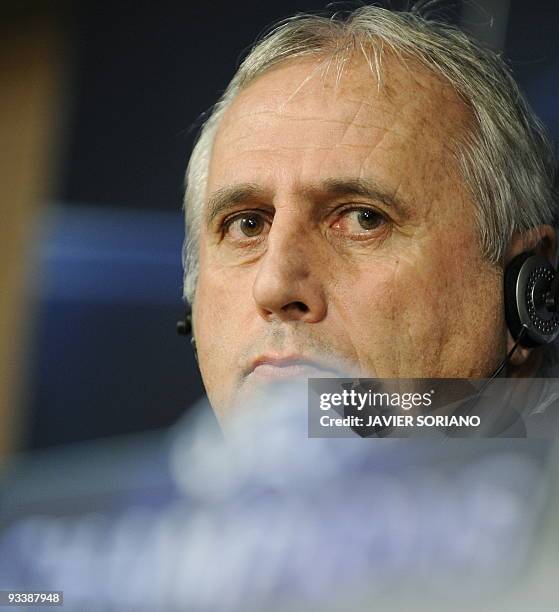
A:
{"points": [[351, 281]]}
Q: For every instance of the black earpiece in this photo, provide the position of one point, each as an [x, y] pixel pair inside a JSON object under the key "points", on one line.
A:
{"points": [[184, 328], [532, 299]]}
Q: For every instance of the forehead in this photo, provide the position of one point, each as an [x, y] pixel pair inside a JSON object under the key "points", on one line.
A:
{"points": [[309, 116]]}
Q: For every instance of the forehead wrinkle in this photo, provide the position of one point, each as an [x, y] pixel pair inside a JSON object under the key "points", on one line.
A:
{"points": [[419, 120], [306, 80], [428, 86], [416, 119], [369, 100], [249, 114], [365, 77], [293, 118], [349, 124]]}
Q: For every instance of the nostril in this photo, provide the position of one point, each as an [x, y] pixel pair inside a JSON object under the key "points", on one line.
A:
{"points": [[300, 306]]}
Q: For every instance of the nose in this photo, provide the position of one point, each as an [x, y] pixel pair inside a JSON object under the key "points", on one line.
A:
{"points": [[288, 285]]}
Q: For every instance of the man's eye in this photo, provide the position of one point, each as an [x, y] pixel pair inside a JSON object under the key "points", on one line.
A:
{"points": [[248, 225], [359, 220]]}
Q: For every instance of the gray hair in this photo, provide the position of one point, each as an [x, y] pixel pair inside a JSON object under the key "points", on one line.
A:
{"points": [[506, 160]]}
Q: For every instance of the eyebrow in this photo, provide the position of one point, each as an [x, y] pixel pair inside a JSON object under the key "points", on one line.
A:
{"points": [[228, 197], [367, 188]]}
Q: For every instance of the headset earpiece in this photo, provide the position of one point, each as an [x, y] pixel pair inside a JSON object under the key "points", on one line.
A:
{"points": [[184, 326], [530, 300]]}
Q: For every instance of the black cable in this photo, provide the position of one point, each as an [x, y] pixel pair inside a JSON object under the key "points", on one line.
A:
{"points": [[505, 360], [472, 402]]}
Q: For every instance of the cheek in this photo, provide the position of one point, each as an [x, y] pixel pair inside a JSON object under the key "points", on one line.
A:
{"points": [[390, 313], [211, 305], [214, 315], [424, 314], [220, 316], [409, 297]]}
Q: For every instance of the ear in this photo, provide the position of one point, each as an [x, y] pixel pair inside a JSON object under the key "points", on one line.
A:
{"points": [[541, 240]]}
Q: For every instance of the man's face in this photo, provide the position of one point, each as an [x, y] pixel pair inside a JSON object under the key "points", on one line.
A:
{"points": [[337, 235]]}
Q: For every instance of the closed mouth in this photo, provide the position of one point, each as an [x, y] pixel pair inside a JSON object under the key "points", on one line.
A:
{"points": [[273, 368]]}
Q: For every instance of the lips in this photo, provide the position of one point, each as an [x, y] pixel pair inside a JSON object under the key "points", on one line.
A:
{"points": [[274, 368]]}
